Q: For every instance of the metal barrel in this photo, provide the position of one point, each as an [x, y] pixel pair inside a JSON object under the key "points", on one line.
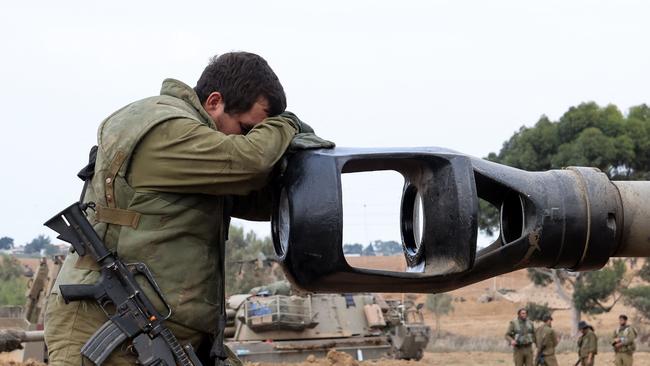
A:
{"points": [[635, 199]]}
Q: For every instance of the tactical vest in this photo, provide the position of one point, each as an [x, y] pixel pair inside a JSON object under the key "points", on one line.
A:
{"points": [[524, 336], [180, 237], [625, 334]]}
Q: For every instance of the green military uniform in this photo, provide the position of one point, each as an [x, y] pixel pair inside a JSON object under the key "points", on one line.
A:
{"points": [[587, 343], [523, 333], [164, 184], [546, 343], [624, 353]]}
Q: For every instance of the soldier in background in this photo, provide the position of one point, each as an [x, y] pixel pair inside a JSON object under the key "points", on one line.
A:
{"points": [[587, 344], [623, 342], [521, 336], [546, 341]]}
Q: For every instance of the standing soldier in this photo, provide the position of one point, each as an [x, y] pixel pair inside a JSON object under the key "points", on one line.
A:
{"points": [[623, 343], [546, 343], [587, 344], [521, 336]]}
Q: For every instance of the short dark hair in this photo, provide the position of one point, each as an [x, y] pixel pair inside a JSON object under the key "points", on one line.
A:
{"points": [[623, 316], [241, 78]]}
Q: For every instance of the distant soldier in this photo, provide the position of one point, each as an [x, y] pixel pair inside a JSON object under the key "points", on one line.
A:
{"points": [[546, 342], [623, 342], [587, 344], [521, 336]]}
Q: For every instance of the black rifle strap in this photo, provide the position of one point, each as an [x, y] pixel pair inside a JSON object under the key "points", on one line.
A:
{"points": [[218, 352], [87, 172]]}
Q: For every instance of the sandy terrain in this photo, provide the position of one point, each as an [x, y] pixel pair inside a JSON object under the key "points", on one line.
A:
{"points": [[456, 358]]}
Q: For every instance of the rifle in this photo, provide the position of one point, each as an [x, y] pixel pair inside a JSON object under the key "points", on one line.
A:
{"points": [[135, 317]]}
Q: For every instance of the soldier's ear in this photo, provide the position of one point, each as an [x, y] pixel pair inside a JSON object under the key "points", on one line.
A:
{"points": [[213, 102]]}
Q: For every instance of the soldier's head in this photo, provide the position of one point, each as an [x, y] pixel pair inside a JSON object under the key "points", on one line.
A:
{"points": [[547, 319], [239, 90], [584, 327], [622, 319], [522, 314]]}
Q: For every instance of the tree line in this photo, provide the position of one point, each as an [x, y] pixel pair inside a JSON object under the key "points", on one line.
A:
{"points": [[377, 247], [33, 247]]}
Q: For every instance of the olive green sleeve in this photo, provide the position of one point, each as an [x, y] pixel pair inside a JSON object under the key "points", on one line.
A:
{"points": [[533, 334], [554, 338], [591, 345], [255, 206], [184, 156], [510, 332]]}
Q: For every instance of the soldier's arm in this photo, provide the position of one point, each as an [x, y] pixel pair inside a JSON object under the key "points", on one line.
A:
{"points": [[255, 206], [510, 332], [184, 156], [534, 335], [592, 344], [555, 340]]}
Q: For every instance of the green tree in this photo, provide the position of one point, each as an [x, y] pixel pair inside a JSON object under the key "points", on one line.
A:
{"points": [[247, 261], [586, 135], [537, 311], [592, 292], [368, 250], [355, 248], [439, 305], [12, 281], [639, 296], [6, 242], [41, 242], [387, 247]]}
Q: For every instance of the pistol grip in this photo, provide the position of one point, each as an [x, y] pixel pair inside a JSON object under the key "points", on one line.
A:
{"points": [[78, 292]]}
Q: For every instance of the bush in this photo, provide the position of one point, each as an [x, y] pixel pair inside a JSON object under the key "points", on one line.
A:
{"points": [[12, 282]]}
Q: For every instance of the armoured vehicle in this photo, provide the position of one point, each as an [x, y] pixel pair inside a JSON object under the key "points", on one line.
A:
{"points": [[288, 328]]}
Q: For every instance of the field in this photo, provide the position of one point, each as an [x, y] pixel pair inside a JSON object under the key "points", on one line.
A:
{"points": [[462, 358]]}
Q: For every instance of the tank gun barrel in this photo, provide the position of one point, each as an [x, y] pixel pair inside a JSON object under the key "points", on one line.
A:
{"points": [[574, 218]]}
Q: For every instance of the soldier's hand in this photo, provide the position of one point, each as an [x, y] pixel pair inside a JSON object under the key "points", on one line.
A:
{"points": [[305, 139], [10, 340], [308, 140]]}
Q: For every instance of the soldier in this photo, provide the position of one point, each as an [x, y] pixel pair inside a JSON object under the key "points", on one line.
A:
{"points": [[169, 173], [587, 344], [623, 342], [521, 336], [546, 342]]}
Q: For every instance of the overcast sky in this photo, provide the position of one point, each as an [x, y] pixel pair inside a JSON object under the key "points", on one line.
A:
{"points": [[458, 74]]}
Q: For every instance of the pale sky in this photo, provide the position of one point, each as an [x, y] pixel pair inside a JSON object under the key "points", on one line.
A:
{"points": [[458, 74]]}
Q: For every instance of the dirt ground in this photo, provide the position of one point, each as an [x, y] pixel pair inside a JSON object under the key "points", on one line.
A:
{"points": [[432, 359], [455, 358], [474, 318]]}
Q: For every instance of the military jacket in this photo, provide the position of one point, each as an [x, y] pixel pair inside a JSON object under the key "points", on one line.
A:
{"points": [[522, 332], [587, 343], [546, 340], [163, 176], [627, 335]]}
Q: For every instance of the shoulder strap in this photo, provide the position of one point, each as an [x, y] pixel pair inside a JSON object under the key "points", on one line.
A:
{"points": [[87, 172]]}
